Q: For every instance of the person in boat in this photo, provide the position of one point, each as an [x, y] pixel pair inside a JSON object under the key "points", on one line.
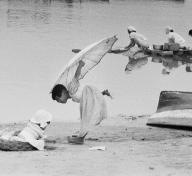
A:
{"points": [[190, 33], [173, 37], [137, 47], [33, 133], [92, 103]]}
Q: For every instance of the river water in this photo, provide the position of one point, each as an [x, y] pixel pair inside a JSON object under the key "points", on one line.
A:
{"points": [[37, 36]]}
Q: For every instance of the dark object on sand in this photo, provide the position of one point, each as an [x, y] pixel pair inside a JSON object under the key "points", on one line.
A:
{"points": [[174, 110], [75, 139], [7, 145], [188, 69]]}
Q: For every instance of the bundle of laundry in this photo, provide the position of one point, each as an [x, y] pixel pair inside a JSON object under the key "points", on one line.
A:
{"points": [[30, 138]]}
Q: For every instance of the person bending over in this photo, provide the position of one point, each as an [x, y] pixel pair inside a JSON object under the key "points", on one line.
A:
{"points": [[92, 103]]}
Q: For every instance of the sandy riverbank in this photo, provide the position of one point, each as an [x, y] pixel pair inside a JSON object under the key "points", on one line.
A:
{"points": [[132, 148]]}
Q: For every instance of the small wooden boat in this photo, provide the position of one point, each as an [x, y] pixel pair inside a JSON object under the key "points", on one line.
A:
{"points": [[174, 110], [166, 50]]}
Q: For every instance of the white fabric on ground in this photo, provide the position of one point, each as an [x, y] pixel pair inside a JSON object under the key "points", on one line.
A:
{"points": [[33, 133]]}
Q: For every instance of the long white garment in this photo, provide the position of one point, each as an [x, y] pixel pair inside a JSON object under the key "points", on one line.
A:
{"points": [[139, 39], [136, 51], [91, 56], [93, 109], [173, 37]]}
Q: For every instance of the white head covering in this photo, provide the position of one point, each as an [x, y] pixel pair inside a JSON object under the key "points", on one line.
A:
{"points": [[131, 29], [41, 117], [168, 29]]}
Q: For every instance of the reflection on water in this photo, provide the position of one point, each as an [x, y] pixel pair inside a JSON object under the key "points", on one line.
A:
{"points": [[134, 64], [168, 62], [21, 17], [32, 12], [37, 36]]}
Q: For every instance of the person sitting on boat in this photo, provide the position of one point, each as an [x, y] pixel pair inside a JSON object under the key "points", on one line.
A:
{"points": [[138, 44], [190, 33], [33, 133], [174, 37], [92, 103]]}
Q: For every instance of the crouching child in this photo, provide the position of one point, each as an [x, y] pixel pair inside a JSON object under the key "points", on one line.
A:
{"points": [[31, 137]]}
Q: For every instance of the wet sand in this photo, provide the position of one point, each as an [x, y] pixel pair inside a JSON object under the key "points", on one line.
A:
{"points": [[132, 148]]}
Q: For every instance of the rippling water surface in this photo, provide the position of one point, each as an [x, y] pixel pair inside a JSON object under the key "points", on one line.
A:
{"points": [[37, 36]]}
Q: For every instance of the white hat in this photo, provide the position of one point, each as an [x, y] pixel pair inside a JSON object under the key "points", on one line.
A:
{"points": [[41, 117], [131, 29], [168, 29]]}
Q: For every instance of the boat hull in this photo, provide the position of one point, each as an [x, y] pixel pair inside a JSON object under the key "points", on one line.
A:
{"points": [[174, 110]]}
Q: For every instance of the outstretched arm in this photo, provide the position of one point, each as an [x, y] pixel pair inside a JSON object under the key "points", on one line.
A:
{"points": [[132, 43], [78, 71]]}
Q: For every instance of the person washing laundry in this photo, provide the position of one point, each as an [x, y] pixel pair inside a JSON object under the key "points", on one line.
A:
{"points": [[137, 47], [93, 107], [173, 37]]}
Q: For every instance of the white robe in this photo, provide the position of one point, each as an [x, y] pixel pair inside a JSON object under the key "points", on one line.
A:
{"points": [[93, 107], [141, 42], [173, 37]]}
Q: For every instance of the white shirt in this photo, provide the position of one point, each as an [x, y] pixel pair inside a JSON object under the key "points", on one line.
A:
{"points": [[139, 39], [173, 37], [75, 90]]}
